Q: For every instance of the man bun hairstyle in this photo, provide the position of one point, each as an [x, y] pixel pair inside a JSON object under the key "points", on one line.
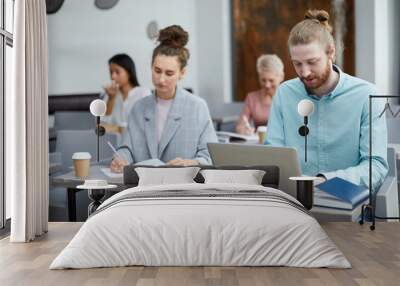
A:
{"points": [[314, 27], [172, 41], [320, 17]]}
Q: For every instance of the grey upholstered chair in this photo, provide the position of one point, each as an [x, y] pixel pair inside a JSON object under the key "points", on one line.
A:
{"points": [[73, 120], [387, 198], [71, 141], [225, 115]]}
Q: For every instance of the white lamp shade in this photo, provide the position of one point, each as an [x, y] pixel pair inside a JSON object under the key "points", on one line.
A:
{"points": [[98, 107], [305, 107]]}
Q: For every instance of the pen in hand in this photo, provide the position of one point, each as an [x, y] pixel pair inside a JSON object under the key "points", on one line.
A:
{"points": [[248, 127], [114, 150], [118, 162], [246, 121]]}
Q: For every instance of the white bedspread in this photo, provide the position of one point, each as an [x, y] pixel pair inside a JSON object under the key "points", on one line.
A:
{"points": [[183, 231]]}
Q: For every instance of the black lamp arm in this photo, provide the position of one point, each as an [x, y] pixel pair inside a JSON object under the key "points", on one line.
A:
{"points": [[303, 131]]}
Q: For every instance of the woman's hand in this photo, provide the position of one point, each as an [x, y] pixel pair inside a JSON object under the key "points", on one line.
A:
{"points": [[244, 127], [246, 130], [182, 162], [111, 90], [117, 164]]}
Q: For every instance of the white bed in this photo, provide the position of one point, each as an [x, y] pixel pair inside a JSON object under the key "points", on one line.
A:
{"points": [[222, 225]]}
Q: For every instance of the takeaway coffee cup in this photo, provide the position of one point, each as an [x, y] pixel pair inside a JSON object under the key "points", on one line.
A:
{"points": [[81, 164], [262, 132]]}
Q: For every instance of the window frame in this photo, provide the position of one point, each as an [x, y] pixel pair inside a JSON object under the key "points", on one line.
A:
{"points": [[6, 39]]}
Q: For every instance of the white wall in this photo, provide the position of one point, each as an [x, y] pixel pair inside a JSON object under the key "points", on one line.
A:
{"points": [[82, 38], [214, 50], [364, 43], [394, 47], [377, 43]]}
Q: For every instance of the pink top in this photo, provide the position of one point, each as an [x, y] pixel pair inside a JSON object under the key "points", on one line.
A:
{"points": [[255, 110], [162, 110]]}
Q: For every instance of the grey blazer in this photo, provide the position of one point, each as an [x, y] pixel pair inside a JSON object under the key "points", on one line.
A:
{"points": [[186, 132]]}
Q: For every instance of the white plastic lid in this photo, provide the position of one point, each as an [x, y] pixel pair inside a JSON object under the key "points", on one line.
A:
{"points": [[303, 178], [123, 124], [81, 156], [96, 183], [262, 129]]}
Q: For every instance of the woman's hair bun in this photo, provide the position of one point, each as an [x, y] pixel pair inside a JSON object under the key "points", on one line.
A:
{"points": [[173, 36], [319, 15]]}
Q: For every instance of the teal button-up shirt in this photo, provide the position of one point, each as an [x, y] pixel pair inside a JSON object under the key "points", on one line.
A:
{"points": [[338, 142]]}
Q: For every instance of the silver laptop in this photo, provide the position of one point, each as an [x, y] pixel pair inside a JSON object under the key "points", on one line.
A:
{"points": [[249, 155]]}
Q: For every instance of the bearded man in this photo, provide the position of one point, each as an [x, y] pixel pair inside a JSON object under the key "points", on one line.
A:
{"points": [[338, 141]]}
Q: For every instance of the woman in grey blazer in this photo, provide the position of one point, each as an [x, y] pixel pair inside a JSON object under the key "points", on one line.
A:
{"points": [[172, 125]]}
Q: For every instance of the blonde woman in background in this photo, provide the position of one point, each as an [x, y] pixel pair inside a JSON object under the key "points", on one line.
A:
{"points": [[258, 103]]}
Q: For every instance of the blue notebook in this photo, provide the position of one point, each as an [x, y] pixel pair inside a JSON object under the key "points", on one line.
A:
{"points": [[339, 193]]}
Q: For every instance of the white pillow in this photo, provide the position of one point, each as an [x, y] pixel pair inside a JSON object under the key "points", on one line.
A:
{"points": [[248, 177], [164, 176]]}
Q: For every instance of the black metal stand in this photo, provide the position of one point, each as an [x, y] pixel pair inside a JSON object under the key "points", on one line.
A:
{"points": [[98, 139], [100, 131], [305, 193], [305, 147], [303, 131], [95, 196], [372, 195]]}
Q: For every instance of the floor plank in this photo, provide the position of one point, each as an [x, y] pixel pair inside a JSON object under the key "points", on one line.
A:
{"points": [[374, 255]]}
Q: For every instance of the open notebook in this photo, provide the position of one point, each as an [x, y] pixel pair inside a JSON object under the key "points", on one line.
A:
{"points": [[150, 162], [226, 137]]}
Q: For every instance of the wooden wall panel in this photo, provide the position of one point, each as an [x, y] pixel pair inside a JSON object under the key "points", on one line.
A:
{"points": [[263, 26]]}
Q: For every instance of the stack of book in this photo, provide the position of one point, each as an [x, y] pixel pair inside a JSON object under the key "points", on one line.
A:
{"points": [[339, 200]]}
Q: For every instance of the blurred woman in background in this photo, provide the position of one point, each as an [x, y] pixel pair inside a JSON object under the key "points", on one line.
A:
{"points": [[258, 103], [123, 92]]}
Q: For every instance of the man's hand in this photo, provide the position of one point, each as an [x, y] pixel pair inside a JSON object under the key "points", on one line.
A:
{"points": [[319, 179], [117, 164], [182, 162]]}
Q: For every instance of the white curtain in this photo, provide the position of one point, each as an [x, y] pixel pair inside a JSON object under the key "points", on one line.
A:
{"points": [[26, 124]]}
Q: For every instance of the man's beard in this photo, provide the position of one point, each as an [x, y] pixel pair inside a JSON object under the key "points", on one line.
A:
{"points": [[318, 80]]}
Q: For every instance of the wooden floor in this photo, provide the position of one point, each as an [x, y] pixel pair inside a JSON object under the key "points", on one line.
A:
{"points": [[374, 255]]}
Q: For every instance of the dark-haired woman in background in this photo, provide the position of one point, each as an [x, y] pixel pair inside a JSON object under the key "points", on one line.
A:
{"points": [[171, 125], [123, 92]]}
